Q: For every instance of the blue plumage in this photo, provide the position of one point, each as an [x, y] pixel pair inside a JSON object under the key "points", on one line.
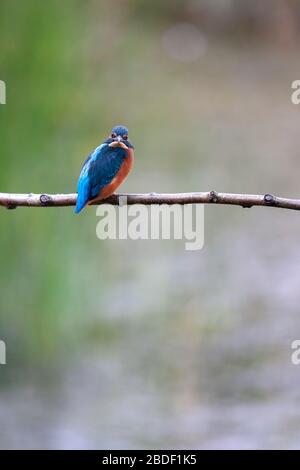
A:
{"points": [[99, 169], [102, 165]]}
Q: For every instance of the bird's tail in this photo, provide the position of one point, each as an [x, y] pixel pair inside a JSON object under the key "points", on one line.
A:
{"points": [[79, 205], [82, 196]]}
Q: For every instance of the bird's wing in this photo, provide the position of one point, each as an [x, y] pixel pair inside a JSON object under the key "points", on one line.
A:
{"points": [[103, 167]]}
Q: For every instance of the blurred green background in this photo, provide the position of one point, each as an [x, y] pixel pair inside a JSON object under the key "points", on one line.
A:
{"points": [[141, 344]]}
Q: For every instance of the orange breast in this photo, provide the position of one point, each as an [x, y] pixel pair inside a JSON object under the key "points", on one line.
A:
{"points": [[125, 168]]}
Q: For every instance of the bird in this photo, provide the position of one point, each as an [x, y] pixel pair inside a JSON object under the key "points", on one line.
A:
{"points": [[105, 168]]}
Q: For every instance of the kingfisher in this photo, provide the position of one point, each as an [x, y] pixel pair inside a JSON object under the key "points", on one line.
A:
{"points": [[105, 168]]}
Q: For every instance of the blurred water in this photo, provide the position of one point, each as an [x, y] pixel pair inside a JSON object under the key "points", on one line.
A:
{"points": [[203, 360]]}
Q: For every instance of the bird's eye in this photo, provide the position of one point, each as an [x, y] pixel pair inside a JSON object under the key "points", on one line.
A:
{"points": [[113, 135], [125, 136]]}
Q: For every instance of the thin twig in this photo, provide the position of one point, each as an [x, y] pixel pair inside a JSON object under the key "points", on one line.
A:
{"points": [[11, 201]]}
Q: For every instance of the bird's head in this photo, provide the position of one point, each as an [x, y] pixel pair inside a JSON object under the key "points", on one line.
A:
{"points": [[119, 138]]}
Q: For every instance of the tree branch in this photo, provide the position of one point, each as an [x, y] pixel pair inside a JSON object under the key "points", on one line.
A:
{"points": [[11, 201]]}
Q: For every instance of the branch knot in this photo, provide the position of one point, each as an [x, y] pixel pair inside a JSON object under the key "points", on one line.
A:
{"points": [[45, 200], [213, 196], [269, 199], [11, 206]]}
